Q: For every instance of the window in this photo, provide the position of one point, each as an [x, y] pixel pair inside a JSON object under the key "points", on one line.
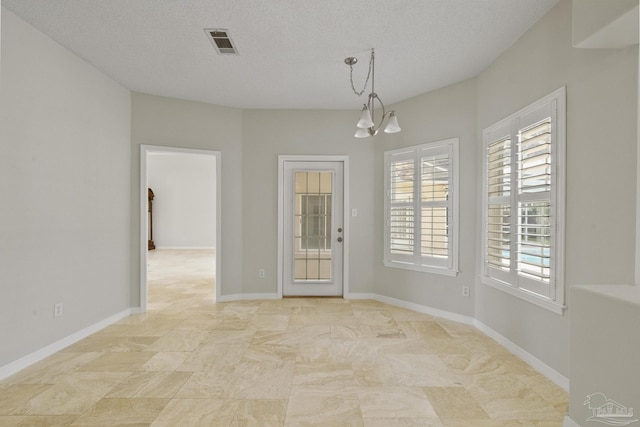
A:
{"points": [[421, 201], [315, 221], [523, 203], [312, 225]]}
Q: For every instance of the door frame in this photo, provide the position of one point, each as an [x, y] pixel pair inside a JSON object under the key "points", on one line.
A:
{"points": [[145, 150], [345, 253]]}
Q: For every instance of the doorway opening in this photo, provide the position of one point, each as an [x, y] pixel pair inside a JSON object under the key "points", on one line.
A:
{"points": [[180, 228]]}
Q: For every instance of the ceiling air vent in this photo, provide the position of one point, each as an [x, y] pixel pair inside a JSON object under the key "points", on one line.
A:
{"points": [[221, 41]]}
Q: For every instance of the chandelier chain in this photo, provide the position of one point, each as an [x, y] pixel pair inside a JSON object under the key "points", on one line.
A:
{"points": [[366, 82]]}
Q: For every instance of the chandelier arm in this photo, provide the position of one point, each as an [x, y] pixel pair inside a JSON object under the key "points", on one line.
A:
{"points": [[373, 129]]}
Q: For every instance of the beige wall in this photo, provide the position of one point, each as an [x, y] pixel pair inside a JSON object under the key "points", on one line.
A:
{"points": [[176, 123], [604, 347], [269, 133], [64, 191], [601, 168], [604, 23], [446, 113], [250, 142]]}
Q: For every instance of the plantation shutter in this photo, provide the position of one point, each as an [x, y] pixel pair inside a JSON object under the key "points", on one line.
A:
{"points": [[534, 201], [435, 206], [523, 204], [498, 238], [420, 218], [401, 217], [498, 192]]}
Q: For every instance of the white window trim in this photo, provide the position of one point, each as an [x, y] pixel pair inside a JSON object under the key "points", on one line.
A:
{"points": [[452, 145], [556, 303]]}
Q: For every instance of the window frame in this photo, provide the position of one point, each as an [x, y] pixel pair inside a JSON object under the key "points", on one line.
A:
{"points": [[552, 295], [448, 265]]}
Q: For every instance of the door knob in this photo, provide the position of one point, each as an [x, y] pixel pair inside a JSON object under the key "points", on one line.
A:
{"points": [[339, 239], [339, 229]]}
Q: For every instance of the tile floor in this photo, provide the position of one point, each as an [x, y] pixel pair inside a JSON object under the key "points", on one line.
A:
{"points": [[291, 362]]}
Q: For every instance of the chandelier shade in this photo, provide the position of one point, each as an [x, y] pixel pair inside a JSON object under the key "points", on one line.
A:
{"points": [[365, 118], [362, 133], [367, 123], [392, 124]]}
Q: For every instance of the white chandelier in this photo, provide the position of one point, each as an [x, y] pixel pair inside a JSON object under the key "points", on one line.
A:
{"points": [[366, 124]]}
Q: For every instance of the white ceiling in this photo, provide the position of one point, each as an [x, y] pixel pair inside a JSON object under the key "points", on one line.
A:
{"points": [[291, 52]]}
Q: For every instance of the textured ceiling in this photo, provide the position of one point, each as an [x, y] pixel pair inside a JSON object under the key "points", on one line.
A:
{"points": [[291, 52]]}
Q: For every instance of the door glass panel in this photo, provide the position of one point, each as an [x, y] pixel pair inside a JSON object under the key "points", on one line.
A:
{"points": [[312, 225]]}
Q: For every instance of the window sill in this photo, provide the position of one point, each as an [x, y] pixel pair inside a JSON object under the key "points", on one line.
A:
{"points": [[421, 268], [540, 301]]}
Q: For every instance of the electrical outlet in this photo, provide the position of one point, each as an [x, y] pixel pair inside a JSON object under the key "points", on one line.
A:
{"points": [[261, 273], [465, 291], [57, 310]]}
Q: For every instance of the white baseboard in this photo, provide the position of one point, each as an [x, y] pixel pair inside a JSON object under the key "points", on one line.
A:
{"points": [[537, 364], [185, 247], [350, 295], [568, 422], [527, 357], [244, 297], [38, 355]]}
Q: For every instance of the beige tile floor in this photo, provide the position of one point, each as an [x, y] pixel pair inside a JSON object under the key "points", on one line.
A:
{"points": [[294, 362]]}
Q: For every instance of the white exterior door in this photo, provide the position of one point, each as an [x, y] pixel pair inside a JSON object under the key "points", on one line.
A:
{"points": [[313, 228]]}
